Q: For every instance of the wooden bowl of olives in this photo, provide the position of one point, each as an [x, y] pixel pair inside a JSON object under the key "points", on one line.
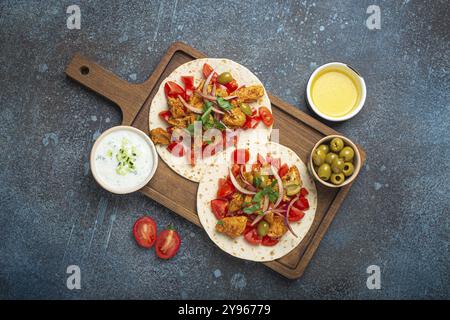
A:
{"points": [[335, 161]]}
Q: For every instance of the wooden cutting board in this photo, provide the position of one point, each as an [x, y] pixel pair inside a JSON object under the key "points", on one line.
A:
{"points": [[298, 131]]}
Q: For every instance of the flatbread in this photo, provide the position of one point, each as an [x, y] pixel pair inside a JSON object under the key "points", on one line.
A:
{"points": [[194, 68], [239, 247]]}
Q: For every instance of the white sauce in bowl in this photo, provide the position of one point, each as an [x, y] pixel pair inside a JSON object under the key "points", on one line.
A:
{"points": [[123, 159]]}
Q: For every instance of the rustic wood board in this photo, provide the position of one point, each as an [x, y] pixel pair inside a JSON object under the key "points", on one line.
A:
{"points": [[298, 131]]}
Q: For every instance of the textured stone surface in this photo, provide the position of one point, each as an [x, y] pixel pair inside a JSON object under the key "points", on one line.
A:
{"points": [[52, 213]]}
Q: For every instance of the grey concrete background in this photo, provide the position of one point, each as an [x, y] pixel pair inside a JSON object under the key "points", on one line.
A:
{"points": [[52, 214]]}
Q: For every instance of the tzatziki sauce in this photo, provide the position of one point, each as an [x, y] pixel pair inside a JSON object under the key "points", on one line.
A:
{"points": [[123, 160]]}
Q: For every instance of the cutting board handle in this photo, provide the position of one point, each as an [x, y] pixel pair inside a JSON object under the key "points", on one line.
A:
{"points": [[129, 97]]}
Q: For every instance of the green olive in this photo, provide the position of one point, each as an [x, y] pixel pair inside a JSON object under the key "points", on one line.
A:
{"points": [[330, 157], [318, 157], [325, 148], [224, 78], [338, 165], [324, 171], [337, 178], [348, 169], [246, 109], [336, 144], [347, 154], [263, 228]]}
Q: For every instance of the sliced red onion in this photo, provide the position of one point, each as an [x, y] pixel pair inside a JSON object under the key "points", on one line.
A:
{"points": [[248, 184], [217, 110], [206, 96], [280, 186], [213, 91], [259, 218], [188, 106], [208, 80], [229, 97], [224, 125], [286, 217], [238, 186], [240, 87]]}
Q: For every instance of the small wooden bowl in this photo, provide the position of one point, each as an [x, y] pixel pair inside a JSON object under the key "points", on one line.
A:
{"points": [[356, 161]]}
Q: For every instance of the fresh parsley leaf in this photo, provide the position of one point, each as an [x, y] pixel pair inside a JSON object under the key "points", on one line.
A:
{"points": [[224, 104], [257, 182], [190, 128], [218, 125], [252, 209]]}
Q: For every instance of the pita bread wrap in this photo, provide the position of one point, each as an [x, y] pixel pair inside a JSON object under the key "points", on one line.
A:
{"points": [[241, 74], [239, 247]]}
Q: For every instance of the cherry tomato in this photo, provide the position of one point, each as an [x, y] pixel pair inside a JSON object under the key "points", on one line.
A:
{"points": [[165, 115], [295, 214], [219, 208], [283, 170], [266, 116], [188, 85], [302, 203], [252, 237], [207, 69], [251, 122], [231, 86], [176, 148], [144, 231], [268, 241], [167, 243], [226, 188], [303, 192], [173, 90], [240, 156]]}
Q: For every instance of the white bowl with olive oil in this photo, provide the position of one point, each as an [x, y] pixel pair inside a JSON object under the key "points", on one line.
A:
{"points": [[336, 91], [123, 159]]}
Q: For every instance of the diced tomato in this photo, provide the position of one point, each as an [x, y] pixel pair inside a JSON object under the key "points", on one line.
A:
{"points": [[283, 170], [240, 156], [295, 214], [167, 243], [231, 86], [252, 237], [266, 116], [261, 159], [303, 192], [219, 208], [176, 148], [268, 241], [188, 85], [302, 203], [207, 69], [235, 169], [165, 115], [226, 188], [173, 90], [252, 122]]}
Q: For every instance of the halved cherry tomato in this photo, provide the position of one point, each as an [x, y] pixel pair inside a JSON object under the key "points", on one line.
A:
{"points": [[165, 115], [303, 192], [268, 241], [295, 214], [302, 203], [226, 188], [252, 237], [176, 148], [188, 85], [231, 86], [266, 116], [240, 156], [144, 231], [283, 170], [167, 243], [173, 90], [235, 169], [251, 122], [207, 69], [219, 208]]}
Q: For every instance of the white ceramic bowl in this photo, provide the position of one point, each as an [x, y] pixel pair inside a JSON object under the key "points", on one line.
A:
{"points": [[133, 188], [357, 78]]}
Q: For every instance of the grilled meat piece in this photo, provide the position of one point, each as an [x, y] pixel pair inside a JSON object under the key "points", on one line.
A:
{"points": [[250, 93], [232, 226], [277, 227], [176, 108], [235, 118], [160, 136]]}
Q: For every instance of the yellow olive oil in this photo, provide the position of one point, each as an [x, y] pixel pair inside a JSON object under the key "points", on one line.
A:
{"points": [[335, 92]]}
